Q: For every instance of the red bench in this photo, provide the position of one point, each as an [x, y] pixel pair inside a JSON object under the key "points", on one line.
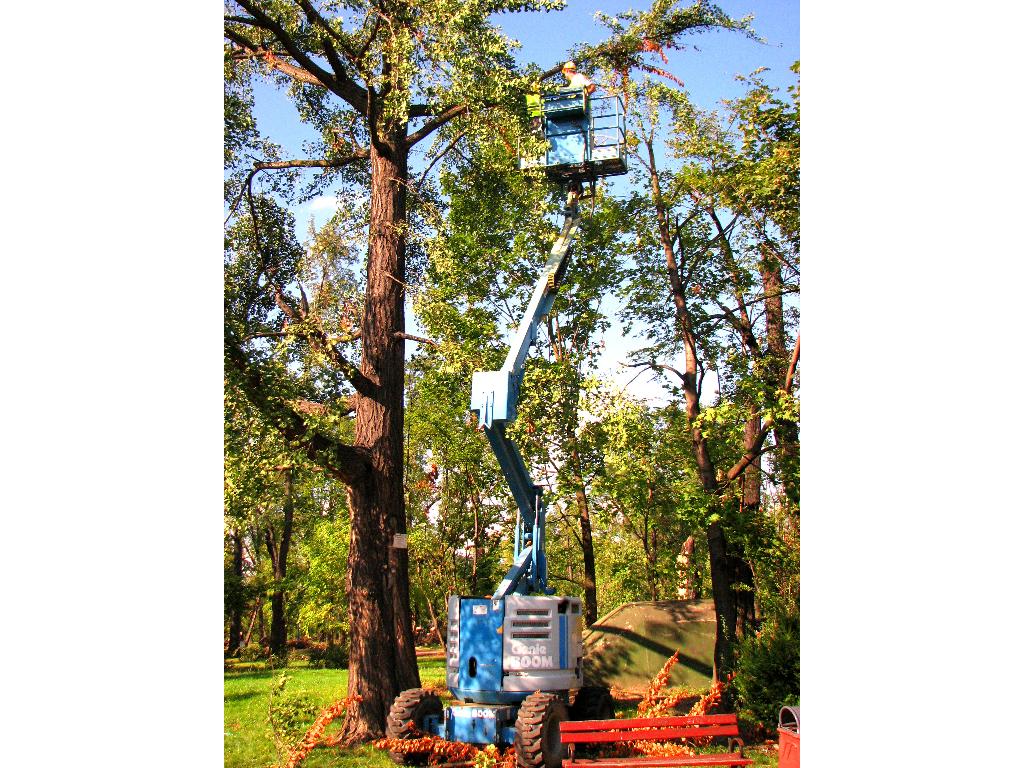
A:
{"points": [[653, 729]]}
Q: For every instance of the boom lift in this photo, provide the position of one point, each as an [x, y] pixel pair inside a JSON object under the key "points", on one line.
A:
{"points": [[514, 657]]}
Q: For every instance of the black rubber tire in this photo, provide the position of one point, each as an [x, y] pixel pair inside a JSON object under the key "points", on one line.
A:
{"points": [[407, 714], [593, 702], [538, 741]]}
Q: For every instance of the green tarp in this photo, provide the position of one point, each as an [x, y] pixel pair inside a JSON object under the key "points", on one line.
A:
{"points": [[628, 647]]}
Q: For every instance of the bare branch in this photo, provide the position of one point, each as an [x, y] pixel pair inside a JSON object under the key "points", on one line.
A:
{"points": [[659, 366], [444, 152], [410, 337], [339, 162]]}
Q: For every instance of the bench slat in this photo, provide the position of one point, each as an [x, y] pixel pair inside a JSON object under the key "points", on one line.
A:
{"points": [[650, 734], [576, 726]]}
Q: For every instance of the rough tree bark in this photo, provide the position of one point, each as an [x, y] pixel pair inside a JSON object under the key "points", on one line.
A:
{"points": [[379, 607]]}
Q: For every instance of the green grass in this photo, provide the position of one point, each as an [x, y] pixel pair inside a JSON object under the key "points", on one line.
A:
{"points": [[247, 740]]}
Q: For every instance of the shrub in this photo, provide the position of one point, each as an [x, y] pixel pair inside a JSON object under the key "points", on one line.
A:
{"points": [[331, 656], [768, 671], [253, 652], [290, 714], [277, 661]]}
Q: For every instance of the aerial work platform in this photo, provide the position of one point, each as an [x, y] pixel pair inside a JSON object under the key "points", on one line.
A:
{"points": [[585, 135]]}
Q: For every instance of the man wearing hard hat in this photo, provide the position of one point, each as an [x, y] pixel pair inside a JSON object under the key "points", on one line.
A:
{"points": [[577, 79]]}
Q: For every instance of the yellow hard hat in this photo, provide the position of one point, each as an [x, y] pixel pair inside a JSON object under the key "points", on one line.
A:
{"points": [[569, 65]]}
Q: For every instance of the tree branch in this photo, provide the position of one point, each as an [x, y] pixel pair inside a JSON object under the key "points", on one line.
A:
{"points": [[432, 125], [750, 455], [341, 83], [410, 337], [791, 373], [444, 152], [317, 18], [340, 162], [349, 464], [658, 366], [253, 51]]}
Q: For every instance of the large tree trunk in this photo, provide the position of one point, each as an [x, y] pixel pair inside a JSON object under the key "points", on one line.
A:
{"points": [[382, 658]]}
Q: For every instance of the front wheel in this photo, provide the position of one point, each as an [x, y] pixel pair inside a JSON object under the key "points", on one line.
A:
{"points": [[407, 716], [538, 740]]}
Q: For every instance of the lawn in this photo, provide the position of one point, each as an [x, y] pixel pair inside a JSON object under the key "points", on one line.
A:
{"points": [[247, 739]]}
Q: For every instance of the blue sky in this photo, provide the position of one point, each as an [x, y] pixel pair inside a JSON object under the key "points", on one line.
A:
{"points": [[709, 73]]}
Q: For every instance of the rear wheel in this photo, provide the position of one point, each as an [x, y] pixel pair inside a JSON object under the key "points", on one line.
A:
{"points": [[538, 741], [406, 719], [593, 702]]}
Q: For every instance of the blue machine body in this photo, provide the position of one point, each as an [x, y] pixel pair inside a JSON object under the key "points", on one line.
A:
{"points": [[474, 724], [480, 636]]}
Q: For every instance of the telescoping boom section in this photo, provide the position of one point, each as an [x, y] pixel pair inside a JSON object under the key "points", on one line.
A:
{"points": [[494, 398]]}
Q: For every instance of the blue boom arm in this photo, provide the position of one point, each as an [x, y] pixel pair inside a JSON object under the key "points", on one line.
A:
{"points": [[494, 398]]}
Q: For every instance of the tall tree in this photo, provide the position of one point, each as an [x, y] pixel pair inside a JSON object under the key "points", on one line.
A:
{"points": [[373, 80], [710, 248]]}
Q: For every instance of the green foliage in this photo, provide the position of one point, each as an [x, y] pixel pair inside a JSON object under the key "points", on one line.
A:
{"points": [[322, 598], [768, 670], [289, 715], [635, 33]]}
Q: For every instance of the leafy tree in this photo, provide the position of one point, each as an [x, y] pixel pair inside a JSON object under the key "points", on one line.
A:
{"points": [[648, 486]]}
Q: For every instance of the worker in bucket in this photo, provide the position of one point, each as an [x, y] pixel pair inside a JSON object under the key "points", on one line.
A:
{"points": [[577, 79]]}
